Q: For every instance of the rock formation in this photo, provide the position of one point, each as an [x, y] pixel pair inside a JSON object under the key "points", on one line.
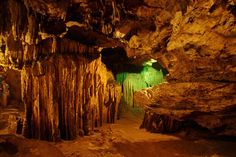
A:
{"points": [[66, 89], [68, 96], [201, 58], [58, 46], [204, 106]]}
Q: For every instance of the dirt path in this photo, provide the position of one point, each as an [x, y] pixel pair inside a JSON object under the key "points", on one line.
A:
{"points": [[126, 139], [123, 139]]}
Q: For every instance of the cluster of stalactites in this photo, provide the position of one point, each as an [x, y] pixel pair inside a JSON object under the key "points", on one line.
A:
{"points": [[133, 82], [69, 99], [23, 38]]}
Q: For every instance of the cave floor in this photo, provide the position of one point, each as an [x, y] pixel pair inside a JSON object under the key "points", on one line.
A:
{"points": [[121, 139], [126, 139]]}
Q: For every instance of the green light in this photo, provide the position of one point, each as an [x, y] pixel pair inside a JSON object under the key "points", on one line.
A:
{"points": [[120, 78], [151, 76], [133, 82]]}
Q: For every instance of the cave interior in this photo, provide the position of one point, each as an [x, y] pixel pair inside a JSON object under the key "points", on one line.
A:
{"points": [[117, 78]]}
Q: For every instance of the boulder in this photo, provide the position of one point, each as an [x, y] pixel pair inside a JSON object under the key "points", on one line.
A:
{"points": [[203, 106]]}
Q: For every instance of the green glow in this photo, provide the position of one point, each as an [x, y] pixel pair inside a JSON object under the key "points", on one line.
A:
{"points": [[151, 76], [132, 82], [120, 78]]}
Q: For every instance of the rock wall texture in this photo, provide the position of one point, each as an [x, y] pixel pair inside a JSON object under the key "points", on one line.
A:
{"points": [[64, 94], [68, 96], [203, 106], [200, 56], [31, 30]]}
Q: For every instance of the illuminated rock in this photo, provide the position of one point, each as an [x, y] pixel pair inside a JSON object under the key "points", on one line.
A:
{"points": [[200, 58], [133, 82], [69, 99], [204, 107], [152, 76]]}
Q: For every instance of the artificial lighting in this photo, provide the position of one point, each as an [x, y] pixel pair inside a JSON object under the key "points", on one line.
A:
{"points": [[133, 82], [150, 62]]}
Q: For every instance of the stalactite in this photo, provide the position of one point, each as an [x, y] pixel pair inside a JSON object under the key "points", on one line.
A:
{"points": [[70, 46], [23, 22], [133, 82], [120, 77], [18, 13], [116, 13], [5, 17], [67, 96], [152, 76]]}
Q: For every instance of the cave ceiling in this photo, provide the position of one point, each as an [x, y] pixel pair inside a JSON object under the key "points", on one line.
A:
{"points": [[177, 33]]}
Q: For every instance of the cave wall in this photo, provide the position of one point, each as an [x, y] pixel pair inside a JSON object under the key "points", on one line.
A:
{"points": [[203, 39], [66, 90], [199, 97]]}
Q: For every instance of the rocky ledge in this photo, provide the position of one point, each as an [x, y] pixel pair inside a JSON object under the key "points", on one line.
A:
{"points": [[205, 107], [200, 58]]}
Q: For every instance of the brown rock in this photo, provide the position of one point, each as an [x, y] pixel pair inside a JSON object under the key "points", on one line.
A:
{"points": [[175, 106], [202, 46], [62, 100], [11, 145]]}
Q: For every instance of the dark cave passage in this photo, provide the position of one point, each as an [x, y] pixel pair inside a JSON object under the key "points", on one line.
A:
{"points": [[133, 76]]}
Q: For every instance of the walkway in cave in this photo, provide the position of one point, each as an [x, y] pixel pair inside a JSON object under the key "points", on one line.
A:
{"points": [[122, 139], [126, 139]]}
